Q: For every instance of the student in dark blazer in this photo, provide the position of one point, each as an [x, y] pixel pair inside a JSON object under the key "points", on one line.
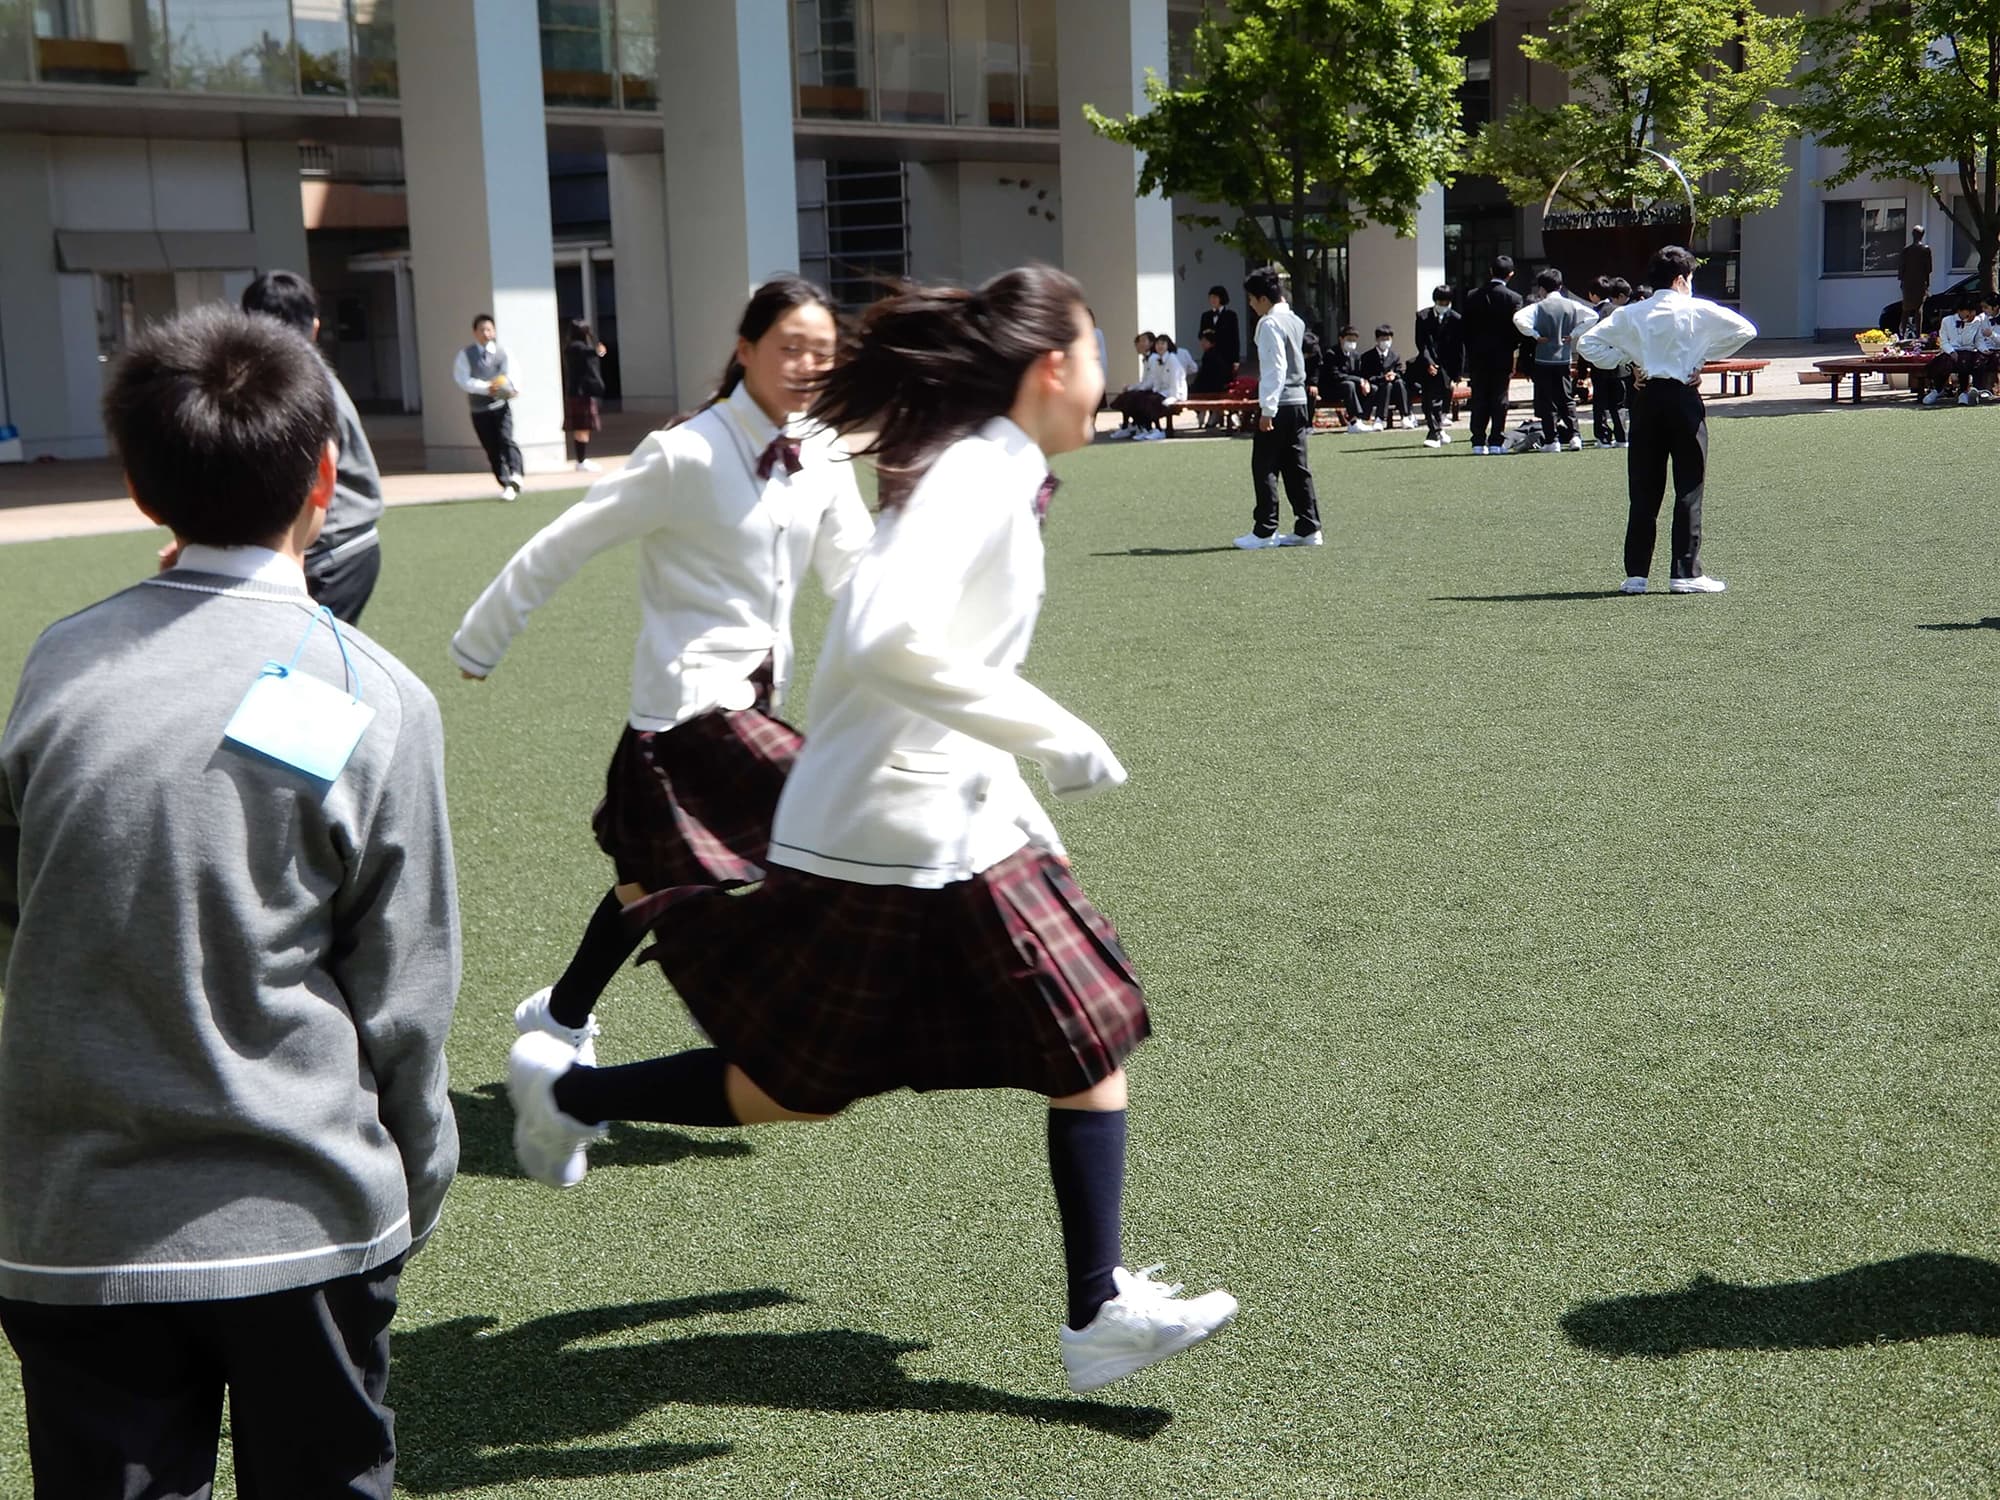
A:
{"points": [[1490, 345], [1220, 320], [1383, 369], [1439, 361]]}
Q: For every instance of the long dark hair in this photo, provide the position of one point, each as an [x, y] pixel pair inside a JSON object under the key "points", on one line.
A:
{"points": [[767, 304], [931, 365]]}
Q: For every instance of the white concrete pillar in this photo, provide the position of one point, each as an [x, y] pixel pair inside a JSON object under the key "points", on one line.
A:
{"points": [[936, 250], [475, 157], [1119, 245], [277, 216], [1390, 276], [1781, 250], [732, 187], [645, 293], [48, 326]]}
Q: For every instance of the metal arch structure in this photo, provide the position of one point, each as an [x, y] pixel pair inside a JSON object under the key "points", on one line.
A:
{"points": [[1666, 161]]}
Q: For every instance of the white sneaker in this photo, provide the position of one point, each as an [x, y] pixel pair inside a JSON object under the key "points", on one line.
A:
{"points": [[1144, 1324], [1250, 541], [1444, 437], [1549, 448], [550, 1146], [1701, 585], [1293, 539], [1155, 435], [1632, 586], [532, 1014], [1479, 452], [1576, 445], [1433, 442], [1965, 398], [510, 492], [585, 466], [1930, 398]]}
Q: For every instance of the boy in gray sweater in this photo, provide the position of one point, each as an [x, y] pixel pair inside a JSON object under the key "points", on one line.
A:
{"points": [[229, 949], [1555, 321]]}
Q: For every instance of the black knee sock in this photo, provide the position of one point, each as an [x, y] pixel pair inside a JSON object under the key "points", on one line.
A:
{"points": [[1087, 1166], [607, 943], [685, 1089], [582, 449]]}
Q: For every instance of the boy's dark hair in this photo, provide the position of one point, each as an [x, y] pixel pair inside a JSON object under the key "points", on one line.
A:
{"points": [[1266, 283], [1220, 291], [1208, 336], [1147, 335], [579, 332], [1671, 264], [1347, 328], [1602, 286], [932, 365], [219, 418], [286, 296], [1550, 280], [1385, 330], [1620, 287], [1502, 267], [1641, 292], [1968, 301], [482, 318], [1443, 294]]}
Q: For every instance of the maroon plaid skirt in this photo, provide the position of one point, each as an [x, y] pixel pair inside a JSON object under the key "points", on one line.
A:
{"points": [[692, 805], [825, 991]]}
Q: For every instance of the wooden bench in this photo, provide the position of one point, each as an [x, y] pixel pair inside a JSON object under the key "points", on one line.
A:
{"points": [[1857, 365], [1200, 405], [1739, 370]]}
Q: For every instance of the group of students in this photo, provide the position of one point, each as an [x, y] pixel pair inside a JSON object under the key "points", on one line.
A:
{"points": [[1968, 356], [212, 1175], [1169, 374]]}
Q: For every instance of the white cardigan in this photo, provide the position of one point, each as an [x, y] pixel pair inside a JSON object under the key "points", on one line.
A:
{"points": [[1166, 374], [720, 556], [909, 774]]}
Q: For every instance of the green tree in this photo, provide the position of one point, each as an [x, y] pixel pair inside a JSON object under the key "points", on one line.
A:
{"points": [[1899, 89], [1307, 118], [1692, 79]]}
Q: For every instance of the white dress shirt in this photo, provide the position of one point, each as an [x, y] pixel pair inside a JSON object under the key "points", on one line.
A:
{"points": [[1669, 336], [1954, 336], [909, 776], [462, 376], [1167, 375], [720, 555], [251, 564]]}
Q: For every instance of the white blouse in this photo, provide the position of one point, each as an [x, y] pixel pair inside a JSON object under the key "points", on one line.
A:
{"points": [[720, 556], [910, 776]]}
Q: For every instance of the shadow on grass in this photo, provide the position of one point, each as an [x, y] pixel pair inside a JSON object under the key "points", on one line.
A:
{"points": [[486, 1139], [1991, 622], [1929, 1295], [477, 1407], [1530, 598]]}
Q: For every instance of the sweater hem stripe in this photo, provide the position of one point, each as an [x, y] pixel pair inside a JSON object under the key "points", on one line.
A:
{"points": [[184, 1267]]}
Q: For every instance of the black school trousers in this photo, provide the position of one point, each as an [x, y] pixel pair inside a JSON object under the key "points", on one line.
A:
{"points": [[496, 436], [126, 1400], [1555, 403], [1489, 382], [1282, 452], [1669, 426]]}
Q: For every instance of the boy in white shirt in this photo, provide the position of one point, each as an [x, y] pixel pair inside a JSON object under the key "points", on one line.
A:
{"points": [[1960, 357]]}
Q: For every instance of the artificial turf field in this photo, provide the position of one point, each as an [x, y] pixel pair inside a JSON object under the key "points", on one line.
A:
{"points": [[1574, 1031]]}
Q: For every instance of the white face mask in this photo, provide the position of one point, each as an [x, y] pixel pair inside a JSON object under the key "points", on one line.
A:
{"points": [[1348, 346], [1383, 346], [1442, 306]]}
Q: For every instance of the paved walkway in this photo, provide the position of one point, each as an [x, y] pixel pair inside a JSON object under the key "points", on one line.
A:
{"points": [[40, 501]]}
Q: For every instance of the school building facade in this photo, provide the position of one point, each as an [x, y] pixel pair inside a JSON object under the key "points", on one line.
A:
{"points": [[642, 163]]}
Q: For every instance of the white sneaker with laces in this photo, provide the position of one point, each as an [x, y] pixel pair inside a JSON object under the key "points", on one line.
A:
{"points": [[1444, 437], [1433, 442], [532, 1014], [1576, 445], [1144, 1324], [1549, 447], [1156, 435], [1965, 398], [1701, 585], [550, 1146], [510, 491], [1632, 586], [1293, 539], [1479, 451], [1930, 398], [1250, 541]]}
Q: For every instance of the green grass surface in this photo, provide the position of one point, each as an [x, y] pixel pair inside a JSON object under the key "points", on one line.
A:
{"points": [[1575, 1029]]}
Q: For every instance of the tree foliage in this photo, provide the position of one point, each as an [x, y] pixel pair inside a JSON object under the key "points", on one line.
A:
{"points": [[1901, 89], [1692, 79], [1307, 119]]}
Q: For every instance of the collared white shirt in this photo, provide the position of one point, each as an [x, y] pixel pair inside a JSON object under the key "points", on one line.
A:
{"points": [[720, 556], [910, 775], [1167, 375], [1954, 336], [1669, 336], [461, 372], [251, 564]]}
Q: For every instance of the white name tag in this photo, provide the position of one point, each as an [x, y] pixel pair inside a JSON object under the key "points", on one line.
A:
{"points": [[300, 721]]}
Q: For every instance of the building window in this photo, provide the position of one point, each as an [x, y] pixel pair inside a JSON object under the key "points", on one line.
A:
{"points": [[1038, 64], [986, 63], [854, 228], [231, 46], [576, 54], [320, 29], [375, 48], [1475, 95], [912, 62], [831, 42], [1864, 236], [97, 41], [639, 54]]}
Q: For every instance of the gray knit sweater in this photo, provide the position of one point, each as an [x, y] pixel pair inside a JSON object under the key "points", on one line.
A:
{"points": [[227, 987]]}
